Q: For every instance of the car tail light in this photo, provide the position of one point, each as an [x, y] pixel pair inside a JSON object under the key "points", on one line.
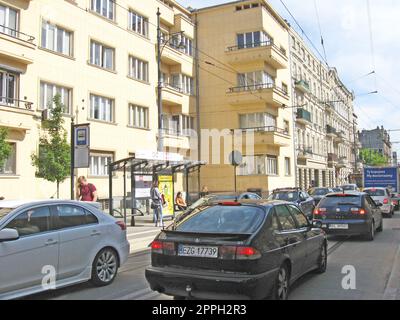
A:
{"points": [[319, 211], [161, 247], [230, 204], [386, 201], [121, 225], [238, 253], [358, 211]]}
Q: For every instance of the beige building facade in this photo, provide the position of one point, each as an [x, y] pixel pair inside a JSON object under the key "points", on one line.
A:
{"points": [[325, 122], [245, 86], [101, 57]]}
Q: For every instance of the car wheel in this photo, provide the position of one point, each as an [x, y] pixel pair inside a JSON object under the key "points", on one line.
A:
{"points": [[371, 234], [380, 229], [281, 286], [322, 260], [105, 267]]}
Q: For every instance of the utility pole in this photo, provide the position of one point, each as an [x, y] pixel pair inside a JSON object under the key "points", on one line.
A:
{"points": [[72, 159], [160, 145]]}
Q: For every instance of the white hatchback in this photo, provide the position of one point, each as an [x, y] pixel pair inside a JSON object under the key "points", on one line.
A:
{"points": [[382, 195], [52, 244]]}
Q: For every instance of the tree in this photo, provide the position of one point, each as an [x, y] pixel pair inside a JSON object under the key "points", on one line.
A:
{"points": [[373, 158], [53, 160], [5, 148]]}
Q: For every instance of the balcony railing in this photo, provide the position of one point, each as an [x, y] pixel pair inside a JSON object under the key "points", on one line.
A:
{"points": [[303, 85], [16, 34], [268, 43], [304, 115], [305, 149], [330, 130], [176, 132], [256, 87], [15, 103], [172, 86], [332, 157], [266, 129]]}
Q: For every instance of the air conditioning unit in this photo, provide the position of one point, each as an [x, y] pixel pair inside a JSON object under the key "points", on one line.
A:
{"points": [[46, 114]]}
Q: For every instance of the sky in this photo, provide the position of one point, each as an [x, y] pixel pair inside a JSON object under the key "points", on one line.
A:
{"points": [[356, 48]]}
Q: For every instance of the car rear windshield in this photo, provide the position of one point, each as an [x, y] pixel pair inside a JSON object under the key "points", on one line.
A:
{"points": [[285, 196], [223, 219], [375, 192], [335, 201], [4, 212], [319, 192], [348, 188]]}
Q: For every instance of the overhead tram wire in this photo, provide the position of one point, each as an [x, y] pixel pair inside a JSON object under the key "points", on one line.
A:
{"points": [[320, 30]]}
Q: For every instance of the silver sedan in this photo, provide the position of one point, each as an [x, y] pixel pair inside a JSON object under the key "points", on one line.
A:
{"points": [[51, 244]]}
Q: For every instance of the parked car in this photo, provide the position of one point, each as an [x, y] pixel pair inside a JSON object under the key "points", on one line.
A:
{"points": [[319, 193], [382, 195], [297, 196], [396, 201], [349, 187], [79, 241], [338, 190], [236, 250], [354, 213]]}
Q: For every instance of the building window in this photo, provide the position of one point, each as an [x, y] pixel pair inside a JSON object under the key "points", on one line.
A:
{"points": [[56, 39], [8, 87], [286, 127], [9, 167], [255, 80], [138, 116], [272, 165], [139, 24], [47, 93], [99, 162], [8, 21], [252, 165], [257, 120], [106, 8], [101, 55], [101, 108], [138, 69], [287, 167], [253, 39], [179, 124], [187, 84]]}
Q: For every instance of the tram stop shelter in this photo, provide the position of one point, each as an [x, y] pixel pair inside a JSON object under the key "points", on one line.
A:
{"points": [[138, 176]]}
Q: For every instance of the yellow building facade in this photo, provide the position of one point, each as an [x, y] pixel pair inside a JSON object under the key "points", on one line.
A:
{"points": [[101, 57], [245, 85]]}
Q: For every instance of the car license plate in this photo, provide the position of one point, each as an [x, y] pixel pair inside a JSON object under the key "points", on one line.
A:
{"points": [[195, 251], [339, 226]]}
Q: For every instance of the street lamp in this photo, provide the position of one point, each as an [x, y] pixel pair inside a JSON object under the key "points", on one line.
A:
{"points": [[161, 43]]}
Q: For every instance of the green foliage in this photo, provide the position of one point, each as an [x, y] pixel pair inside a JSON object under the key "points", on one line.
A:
{"points": [[53, 161], [373, 158], [5, 148]]}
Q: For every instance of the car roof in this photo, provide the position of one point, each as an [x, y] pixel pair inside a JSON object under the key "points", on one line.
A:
{"points": [[375, 188], [259, 202], [347, 193], [14, 204]]}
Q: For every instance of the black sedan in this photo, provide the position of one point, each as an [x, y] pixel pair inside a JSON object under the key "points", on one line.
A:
{"points": [[236, 250], [350, 214]]}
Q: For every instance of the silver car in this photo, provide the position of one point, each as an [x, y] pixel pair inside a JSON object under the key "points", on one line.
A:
{"points": [[382, 195], [52, 244]]}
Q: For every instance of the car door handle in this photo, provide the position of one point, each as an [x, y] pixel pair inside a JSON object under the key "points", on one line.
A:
{"points": [[95, 233], [51, 242]]}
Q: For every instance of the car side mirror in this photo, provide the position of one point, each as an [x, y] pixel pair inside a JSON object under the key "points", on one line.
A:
{"points": [[8, 235], [317, 224], [379, 205]]}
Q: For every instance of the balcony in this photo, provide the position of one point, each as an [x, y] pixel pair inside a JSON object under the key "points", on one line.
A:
{"points": [[331, 131], [340, 137], [302, 86], [304, 152], [329, 106], [303, 116], [255, 52], [16, 46], [172, 94], [175, 140], [15, 103], [266, 136], [342, 163], [259, 93]]}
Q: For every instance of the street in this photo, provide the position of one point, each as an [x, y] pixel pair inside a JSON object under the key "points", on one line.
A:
{"points": [[377, 266]]}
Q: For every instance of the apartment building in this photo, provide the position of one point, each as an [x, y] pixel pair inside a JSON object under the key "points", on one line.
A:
{"points": [[378, 140], [324, 118], [101, 57], [245, 85]]}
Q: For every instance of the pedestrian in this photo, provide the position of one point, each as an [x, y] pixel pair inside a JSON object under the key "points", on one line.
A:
{"points": [[180, 202], [204, 192], [86, 191], [156, 204]]}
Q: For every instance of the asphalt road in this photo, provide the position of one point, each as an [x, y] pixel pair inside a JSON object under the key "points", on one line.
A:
{"points": [[376, 265]]}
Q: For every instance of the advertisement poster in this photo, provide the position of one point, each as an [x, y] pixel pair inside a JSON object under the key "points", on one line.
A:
{"points": [[381, 178], [143, 186], [166, 187]]}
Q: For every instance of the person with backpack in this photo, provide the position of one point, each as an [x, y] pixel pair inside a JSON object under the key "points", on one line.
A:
{"points": [[157, 204], [86, 191]]}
